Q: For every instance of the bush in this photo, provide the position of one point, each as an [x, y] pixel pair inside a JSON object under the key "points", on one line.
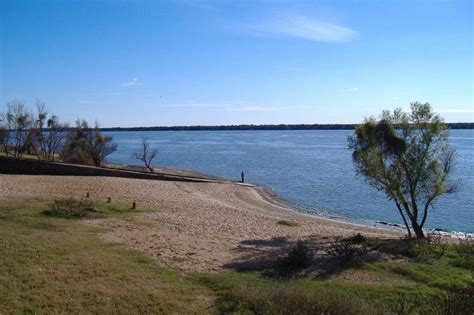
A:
{"points": [[347, 250], [287, 223], [430, 247], [419, 249], [70, 208], [357, 239], [298, 257]]}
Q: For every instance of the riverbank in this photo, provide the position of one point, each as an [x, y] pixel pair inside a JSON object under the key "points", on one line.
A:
{"points": [[197, 227], [54, 263]]}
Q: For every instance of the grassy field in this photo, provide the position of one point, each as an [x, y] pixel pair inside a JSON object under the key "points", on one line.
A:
{"points": [[57, 265], [51, 263]]}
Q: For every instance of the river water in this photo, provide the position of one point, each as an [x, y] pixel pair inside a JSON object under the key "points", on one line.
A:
{"points": [[312, 168]]}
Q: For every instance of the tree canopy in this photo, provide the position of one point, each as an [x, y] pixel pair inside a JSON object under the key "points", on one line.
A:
{"points": [[407, 156]]}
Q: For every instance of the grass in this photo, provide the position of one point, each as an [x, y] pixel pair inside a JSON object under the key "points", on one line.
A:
{"points": [[52, 264], [55, 265], [410, 285], [287, 223]]}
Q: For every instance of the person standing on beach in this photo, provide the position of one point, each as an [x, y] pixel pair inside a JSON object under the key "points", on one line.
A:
{"points": [[242, 175]]}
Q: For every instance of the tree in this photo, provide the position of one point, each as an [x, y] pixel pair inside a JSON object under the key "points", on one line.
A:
{"points": [[146, 155], [406, 156], [86, 145], [17, 121], [4, 136], [55, 135], [48, 134], [21, 131], [34, 135], [98, 145]]}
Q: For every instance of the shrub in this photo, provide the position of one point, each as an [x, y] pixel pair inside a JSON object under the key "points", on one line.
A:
{"points": [[70, 208], [298, 257], [287, 223], [431, 247], [347, 251], [357, 239], [422, 249]]}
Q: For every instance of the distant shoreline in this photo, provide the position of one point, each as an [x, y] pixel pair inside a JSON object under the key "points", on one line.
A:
{"points": [[460, 125]]}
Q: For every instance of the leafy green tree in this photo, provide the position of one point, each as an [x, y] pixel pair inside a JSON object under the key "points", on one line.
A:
{"points": [[406, 156], [86, 145]]}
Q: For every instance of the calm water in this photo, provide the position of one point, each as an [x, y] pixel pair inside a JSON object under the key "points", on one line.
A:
{"points": [[312, 168]]}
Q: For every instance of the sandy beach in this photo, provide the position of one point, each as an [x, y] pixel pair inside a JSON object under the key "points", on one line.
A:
{"points": [[197, 227]]}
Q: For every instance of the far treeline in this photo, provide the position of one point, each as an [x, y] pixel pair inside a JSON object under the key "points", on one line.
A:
{"points": [[459, 125]]}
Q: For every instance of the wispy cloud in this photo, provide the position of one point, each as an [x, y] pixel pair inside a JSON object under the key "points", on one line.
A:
{"points": [[132, 82], [300, 26]]}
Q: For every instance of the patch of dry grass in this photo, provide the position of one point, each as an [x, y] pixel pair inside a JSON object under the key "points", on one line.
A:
{"points": [[54, 265]]}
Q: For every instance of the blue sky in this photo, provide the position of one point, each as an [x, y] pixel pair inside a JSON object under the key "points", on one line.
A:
{"points": [[147, 63]]}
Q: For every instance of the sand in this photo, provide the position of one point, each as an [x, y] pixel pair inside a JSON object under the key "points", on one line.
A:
{"points": [[197, 227]]}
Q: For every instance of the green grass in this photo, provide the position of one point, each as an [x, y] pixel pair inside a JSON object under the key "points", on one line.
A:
{"points": [[58, 265], [410, 286], [287, 223]]}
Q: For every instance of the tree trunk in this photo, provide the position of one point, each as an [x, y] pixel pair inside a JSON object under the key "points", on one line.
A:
{"points": [[404, 219], [418, 230]]}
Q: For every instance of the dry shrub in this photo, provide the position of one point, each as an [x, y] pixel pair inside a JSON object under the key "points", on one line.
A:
{"points": [[348, 250], [357, 239], [430, 247], [71, 208], [298, 257]]}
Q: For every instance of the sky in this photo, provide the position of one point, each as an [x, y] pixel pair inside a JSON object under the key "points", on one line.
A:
{"points": [[165, 63]]}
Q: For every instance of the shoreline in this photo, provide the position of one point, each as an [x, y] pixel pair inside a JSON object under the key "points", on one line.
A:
{"points": [[39, 168], [203, 227], [275, 198], [193, 226], [375, 224]]}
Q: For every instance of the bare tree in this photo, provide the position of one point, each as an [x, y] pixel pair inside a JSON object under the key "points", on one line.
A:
{"points": [[147, 154], [56, 133], [17, 121], [48, 134], [4, 135]]}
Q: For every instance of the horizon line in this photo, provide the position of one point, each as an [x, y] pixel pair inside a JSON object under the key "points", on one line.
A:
{"points": [[341, 126]]}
